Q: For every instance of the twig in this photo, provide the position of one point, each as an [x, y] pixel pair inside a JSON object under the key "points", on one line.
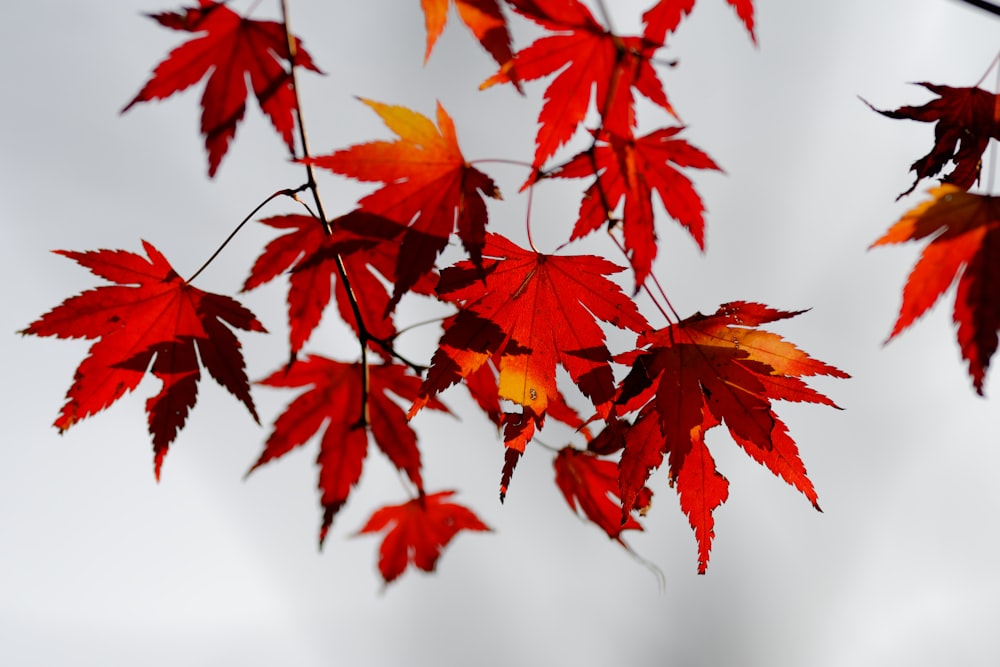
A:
{"points": [[982, 4], [363, 334], [232, 234]]}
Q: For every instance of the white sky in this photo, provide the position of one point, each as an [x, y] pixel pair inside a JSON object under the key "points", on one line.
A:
{"points": [[99, 565]]}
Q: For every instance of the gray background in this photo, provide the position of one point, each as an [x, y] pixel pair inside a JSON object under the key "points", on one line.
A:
{"points": [[99, 565]]}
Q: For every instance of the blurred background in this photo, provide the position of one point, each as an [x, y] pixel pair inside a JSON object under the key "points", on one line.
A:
{"points": [[100, 565]]}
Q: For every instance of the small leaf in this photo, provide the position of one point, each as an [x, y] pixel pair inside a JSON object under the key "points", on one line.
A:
{"points": [[417, 531], [967, 118]]}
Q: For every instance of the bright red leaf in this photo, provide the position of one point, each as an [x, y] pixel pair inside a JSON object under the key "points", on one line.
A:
{"points": [[428, 187], [967, 118], [483, 17], [331, 403], [666, 15], [590, 485], [964, 232], [308, 254], [417, 531], [534, 312], [585, 57], [702, 372], [150, 320], [229, 49], [633, 169]]}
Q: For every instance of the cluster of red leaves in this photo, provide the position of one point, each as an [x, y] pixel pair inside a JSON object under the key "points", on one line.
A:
{"points": [[520, 314], [962, 226]]}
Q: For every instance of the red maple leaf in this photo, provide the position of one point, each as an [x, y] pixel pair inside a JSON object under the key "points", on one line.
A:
{"points": [[308, 253], [151, 320], [633, 169], [967, 118], [702, 372], [483, 17], [532, 312], [590, 484], [666, 15], [428, 188], [964, 229], [417, 531], [229, 49], [332, 403], [585, 56]]}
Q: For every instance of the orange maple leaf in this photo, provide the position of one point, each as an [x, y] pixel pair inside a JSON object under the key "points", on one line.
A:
{"points": [[483, 17], [697, 374], [231, 49], [964, 229], [151, 320], [428, 188]]}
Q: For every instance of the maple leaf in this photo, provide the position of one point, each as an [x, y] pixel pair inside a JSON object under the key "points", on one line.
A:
{"points": [[417, 531], [584, 56], [633, 169], [967, 118], [666, 15], [697, 374], [308, 253], [229, 49], [483, 17], [532, 312], [151, 320], [332, 403], [964, 232], [590, 484], [428, 187]]}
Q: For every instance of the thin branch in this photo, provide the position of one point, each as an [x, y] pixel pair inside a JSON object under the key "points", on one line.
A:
{"points": [[363, 334], [290, 193], [605, 16], [993, 63], [303, 137], [986, 6]]}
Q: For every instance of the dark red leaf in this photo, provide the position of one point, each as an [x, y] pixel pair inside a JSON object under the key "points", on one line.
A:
{"points": [[228, 49], [331, 403]]}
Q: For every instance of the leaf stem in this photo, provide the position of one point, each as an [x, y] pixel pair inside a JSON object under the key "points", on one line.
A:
{"points": [[527, 217], [645, 287], [516, 163], [286, 192], [602, 9], [993, 63]]}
